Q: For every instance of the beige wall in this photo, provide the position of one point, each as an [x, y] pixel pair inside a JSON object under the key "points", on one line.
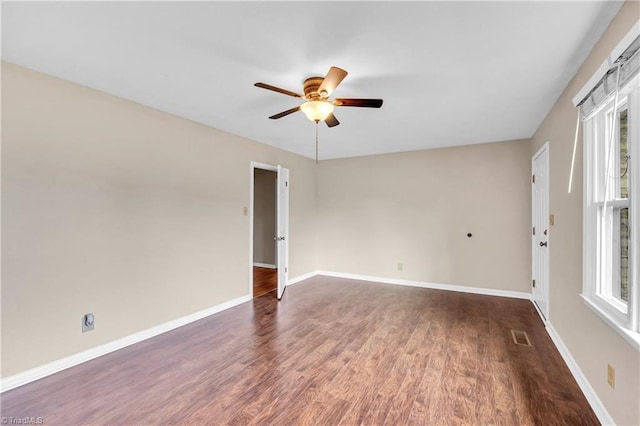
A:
{"points": [[114, 208], [592, 343], [416, 208], [264, 217], [136, 215]]}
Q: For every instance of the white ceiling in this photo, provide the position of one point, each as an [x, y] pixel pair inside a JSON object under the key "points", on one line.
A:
{"points": [[450, 73]]}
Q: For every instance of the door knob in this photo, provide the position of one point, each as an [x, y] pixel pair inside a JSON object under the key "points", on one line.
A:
{"points": [[543, 243]]}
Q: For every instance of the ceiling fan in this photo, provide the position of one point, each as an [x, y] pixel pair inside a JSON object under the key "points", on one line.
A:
{"points": [[317, 90]]}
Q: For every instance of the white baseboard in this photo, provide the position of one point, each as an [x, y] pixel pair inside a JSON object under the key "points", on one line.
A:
{"points": [[28, 376], [42, 371], [264, 265], [302, 277], [436, 286], [591, 395], [537, 308]]}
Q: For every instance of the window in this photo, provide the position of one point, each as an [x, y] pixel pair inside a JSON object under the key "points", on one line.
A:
{"points": [[612, 195], [610, 112]]}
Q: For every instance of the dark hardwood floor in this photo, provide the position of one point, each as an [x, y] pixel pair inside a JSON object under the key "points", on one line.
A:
{"points": [[265, 280], [331, 352]]}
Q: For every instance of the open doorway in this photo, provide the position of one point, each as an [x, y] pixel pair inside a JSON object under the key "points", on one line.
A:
{"points": [[264, 268], [266, 238]]}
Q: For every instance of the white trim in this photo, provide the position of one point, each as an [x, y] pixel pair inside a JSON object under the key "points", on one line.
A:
{"points": [[409, 283], [45, 370], [633, 145], [597, 272], [630, 336], [540, 150], [263, 166], [302, 277], [436, 286], [535, 305], [608, 63], [588, 391], [265, 265]]}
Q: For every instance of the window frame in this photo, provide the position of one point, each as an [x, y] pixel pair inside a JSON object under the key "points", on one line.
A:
{"points": [[623, 317]]}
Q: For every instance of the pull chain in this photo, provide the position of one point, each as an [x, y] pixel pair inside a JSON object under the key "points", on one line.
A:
{"points": [[316, 142]]}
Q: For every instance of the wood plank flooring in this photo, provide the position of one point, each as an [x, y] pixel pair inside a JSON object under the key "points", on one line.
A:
{"points": [[264, 280], [333, 351]]}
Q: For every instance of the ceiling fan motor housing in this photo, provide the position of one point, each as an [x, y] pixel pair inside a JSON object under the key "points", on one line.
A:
{"points": [[311, 86]]}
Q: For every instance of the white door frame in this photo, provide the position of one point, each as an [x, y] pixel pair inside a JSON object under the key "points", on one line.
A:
{"points": [[540, 236], [256, 165]]}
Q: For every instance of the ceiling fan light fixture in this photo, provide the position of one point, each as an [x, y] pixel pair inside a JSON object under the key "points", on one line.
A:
{"points": [[317, 106], [317, 110]]}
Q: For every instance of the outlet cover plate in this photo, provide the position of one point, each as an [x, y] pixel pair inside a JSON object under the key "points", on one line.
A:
{"points": [[611, 376], [88, 322]]}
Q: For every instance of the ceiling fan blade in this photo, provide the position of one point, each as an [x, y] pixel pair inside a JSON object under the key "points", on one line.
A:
{"points": [[284, 113], [331, 120], [331, 81], [366, 103], [279, 90]]}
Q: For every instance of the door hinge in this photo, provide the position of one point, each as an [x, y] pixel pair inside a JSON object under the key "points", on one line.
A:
{"points": [[533, 179], [534, 230], [286, 183], [534, 283], [286, 269]]}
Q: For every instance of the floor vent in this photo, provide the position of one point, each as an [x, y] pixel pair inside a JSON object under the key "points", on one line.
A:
{"points": [[520, 338]]}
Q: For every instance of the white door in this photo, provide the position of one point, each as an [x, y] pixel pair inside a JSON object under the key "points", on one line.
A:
{"points": [[282, 236], [540, 229]]}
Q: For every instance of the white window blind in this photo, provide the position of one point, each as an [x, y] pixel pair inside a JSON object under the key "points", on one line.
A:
{"points": [[624, 69]]}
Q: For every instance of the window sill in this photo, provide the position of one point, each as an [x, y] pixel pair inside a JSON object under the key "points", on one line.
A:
{"points": [[630, 336]]}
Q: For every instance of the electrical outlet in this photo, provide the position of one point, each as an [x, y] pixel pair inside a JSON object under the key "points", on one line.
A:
{"points": [[611, 376], [88, 322], [400, 266]]}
